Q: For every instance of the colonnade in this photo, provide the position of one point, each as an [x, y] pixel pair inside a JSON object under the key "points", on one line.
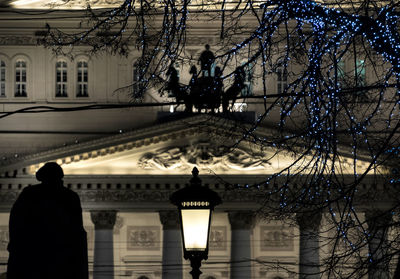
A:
{"points": [[242, 224]]}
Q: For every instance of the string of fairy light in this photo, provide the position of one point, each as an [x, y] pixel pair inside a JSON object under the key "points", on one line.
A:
{"points": [[331, 28], [315, 92], [323, 99]]}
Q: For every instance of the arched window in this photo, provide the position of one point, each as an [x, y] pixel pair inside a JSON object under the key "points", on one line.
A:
{"points": [[2, 78], [282, 79], [82, 79], [136, 84], [61, 79], [143, 277], [210, 277], [20, 78]]}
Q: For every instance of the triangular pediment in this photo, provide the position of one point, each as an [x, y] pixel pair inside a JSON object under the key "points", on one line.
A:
{"points": [[170, 148]]}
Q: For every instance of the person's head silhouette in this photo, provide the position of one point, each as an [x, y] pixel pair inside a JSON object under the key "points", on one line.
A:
{"points": [[51, 172]]}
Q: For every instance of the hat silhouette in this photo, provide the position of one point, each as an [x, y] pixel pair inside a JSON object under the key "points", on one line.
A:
{"points": [[51, 171]]}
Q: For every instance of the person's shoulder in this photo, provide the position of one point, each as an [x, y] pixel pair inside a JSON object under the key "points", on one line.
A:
{"points": [[30, 192], [70, 192], [31, 188]]}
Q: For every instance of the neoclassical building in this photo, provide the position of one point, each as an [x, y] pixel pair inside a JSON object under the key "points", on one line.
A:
{"points": [[125, 162]]}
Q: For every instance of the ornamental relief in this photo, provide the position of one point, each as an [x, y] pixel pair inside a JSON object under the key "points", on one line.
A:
{"points": [[218, 239], [82, 4], [203, 156], [143, 238], [123, 196], [276, 238], [18, 40], [4, 238]]}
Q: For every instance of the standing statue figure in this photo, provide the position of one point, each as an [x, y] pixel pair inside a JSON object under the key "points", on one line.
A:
{"points": [[47, 237], [173, 82], [206, 60], [193, 79]]}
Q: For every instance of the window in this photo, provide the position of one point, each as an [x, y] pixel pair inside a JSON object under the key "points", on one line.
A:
{"points": [[61, 79], [341, 74], [282, 83], [2, 79], [137, 83], [20, 78], [248, 85], [360, 73], [82, 81], [353, 78], [360, 80], [143, 277]]}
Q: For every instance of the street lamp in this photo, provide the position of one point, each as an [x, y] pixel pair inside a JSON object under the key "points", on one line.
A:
{"points": [[195, 205]]}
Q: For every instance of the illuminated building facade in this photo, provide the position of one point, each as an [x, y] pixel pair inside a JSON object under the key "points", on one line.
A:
{"points": [[125, 162]]}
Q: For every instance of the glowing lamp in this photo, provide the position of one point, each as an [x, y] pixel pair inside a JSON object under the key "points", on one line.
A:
{"points": [[195, 205]]}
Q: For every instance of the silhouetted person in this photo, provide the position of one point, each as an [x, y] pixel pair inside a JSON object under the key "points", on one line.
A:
{"points": [[206, 59], [173, 82], [193, 79], [47, 238], [193, 90]]}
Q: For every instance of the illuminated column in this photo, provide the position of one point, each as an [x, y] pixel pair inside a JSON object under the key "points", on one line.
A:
{"points": [[309, 244], [242, 223], [378, 247], [172, 245], [103, 263]]}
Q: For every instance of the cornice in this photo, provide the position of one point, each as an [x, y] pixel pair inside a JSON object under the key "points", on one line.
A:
{"points": [[151, 193]]}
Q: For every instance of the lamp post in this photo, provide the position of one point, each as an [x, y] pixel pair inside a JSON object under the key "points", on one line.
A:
{"points": [[195, 205]]}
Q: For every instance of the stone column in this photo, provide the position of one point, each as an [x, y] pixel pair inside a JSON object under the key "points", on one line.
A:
{"points": [[378, 222], [242, 223], [309, 244], [172, 245], [103, 263]]}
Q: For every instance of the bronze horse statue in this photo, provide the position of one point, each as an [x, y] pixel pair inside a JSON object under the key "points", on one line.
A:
{"points": [[205, 92]]}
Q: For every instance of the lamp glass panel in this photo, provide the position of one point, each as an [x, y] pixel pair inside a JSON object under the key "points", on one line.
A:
{"points": [[195, 228]]}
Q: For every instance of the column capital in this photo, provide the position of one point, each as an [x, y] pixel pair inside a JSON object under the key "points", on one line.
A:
{"points": [[103, 219], [309, 220], [169, 219], [241, 220]]}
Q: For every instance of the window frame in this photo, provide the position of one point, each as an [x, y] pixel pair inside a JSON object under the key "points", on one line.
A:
{"points": [[281, 83], [62, 84], [3, 82], [82, 84], [248, 80], [21, 72], [136, 84]]}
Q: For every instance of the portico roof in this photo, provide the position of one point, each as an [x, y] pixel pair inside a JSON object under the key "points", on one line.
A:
{"points": [[213, 144], [138, 170]]}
